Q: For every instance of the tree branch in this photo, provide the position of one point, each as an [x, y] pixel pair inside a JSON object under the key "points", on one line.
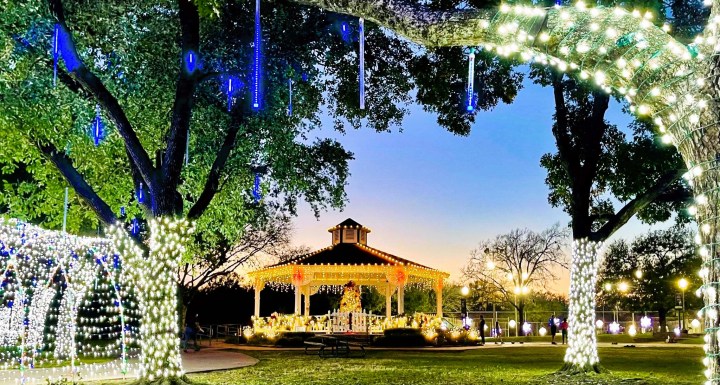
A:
{"points": [[213, 179], [78, 183], [594, 134], [184, 94], [637, 204], [109, 103]]}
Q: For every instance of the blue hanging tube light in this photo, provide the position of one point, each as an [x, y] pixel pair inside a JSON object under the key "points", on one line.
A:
{"points": [[229, 93], [289, 109], [140, 194], [362, 63], [56, 52], [134, 227], [471, 80], [256, 188], [97, 126], [190, 61], [345, 32], [257, 59]]}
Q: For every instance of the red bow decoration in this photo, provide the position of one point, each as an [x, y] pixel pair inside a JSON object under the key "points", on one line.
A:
{"points": [[298, 276]]}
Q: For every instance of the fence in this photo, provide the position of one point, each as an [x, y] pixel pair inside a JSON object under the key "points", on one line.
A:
{"points": [[357, 322], [538, 319]]}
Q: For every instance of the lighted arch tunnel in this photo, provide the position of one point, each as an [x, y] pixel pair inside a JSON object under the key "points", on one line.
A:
{"points": [[62, 297]]}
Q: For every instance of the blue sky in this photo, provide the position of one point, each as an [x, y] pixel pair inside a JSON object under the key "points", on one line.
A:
{"points": [[431, 196]]}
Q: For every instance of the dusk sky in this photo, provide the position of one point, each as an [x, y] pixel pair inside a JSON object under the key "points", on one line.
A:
{"points": [[430, 196]]}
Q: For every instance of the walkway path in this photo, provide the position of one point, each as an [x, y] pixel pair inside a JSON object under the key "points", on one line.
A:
{"points": [[207, 359]]}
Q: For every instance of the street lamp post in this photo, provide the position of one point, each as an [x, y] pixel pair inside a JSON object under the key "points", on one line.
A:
{"points": [[520, 290], [683, 284], [621, 287], [463, 305]]}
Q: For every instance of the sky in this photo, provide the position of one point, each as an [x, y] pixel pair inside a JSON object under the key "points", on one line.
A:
{"points": [[431, 196]]}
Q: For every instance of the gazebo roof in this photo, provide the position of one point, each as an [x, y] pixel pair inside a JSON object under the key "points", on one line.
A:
{"points": [[349, 224], [348, 258], [349, 254]]}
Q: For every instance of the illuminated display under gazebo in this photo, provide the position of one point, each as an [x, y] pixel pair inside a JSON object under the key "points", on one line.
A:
{"points": [[348, 259]]}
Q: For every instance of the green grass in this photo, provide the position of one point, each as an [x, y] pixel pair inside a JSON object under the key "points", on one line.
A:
{"points": [[514, 364]]}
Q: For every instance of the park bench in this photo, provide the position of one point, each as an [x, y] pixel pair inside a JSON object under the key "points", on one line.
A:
{"points": [[313, 347], [357, 345], [333, 347]]}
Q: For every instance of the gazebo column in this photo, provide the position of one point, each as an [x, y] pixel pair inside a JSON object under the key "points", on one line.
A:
{"points": [[297, 300], [306, 311], [388, 301], [258, 288], [401, 299], [438, 297]]}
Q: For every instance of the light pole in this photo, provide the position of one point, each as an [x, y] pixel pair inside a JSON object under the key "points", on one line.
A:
{"points": [[683, 284], [463, 305], [520, 290], [623, 288], [608, 287]]}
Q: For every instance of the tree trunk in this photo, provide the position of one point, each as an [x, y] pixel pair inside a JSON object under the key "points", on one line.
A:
{"points": [[697, 137], [662, 315], [707, 185], [155, 275], [581, 354]]}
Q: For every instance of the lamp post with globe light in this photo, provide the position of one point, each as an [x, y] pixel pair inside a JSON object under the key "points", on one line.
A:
{"points": [[464, 291], [519, 290], [622, 287], [683, 285], [519, 282]]}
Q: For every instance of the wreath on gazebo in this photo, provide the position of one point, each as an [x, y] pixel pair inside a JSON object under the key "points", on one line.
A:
{"points": [[350, 301]]}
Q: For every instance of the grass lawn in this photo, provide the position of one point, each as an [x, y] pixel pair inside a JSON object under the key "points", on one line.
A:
{"points": [[515, 364]]}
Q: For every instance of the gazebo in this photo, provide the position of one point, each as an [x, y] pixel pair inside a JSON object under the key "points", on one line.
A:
{"points": [[348, 259]]}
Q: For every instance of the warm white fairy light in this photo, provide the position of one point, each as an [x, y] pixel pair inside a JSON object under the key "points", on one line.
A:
{"points": [[38, 265], [154, 276], [582, 343]]}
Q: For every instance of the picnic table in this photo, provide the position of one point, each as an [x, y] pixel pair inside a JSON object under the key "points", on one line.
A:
{"points": [[332, 346]]}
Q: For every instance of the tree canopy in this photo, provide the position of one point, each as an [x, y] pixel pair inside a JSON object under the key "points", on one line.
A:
{"points": [[651, 265], [133, 53]]}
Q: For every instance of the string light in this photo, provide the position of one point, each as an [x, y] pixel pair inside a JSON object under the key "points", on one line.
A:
{"points": [[38, 266], [257, 52], [582, 342], [361, 57], [471, 81], [155, 280]]}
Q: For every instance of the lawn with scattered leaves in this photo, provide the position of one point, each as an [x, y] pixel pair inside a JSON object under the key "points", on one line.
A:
{"points": [[510, 364]]}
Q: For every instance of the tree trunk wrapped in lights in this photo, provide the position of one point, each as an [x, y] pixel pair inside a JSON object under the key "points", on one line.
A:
{"points": [[705, 178], [582, 343], [154, 275]]}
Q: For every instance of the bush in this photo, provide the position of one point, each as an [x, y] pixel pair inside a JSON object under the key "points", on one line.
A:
{"points": [[260, 339], [293, 339], [235, 340], [401, 337]]}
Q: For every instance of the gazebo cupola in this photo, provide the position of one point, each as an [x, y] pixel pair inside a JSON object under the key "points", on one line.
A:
{"points": [[349, 231]]}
